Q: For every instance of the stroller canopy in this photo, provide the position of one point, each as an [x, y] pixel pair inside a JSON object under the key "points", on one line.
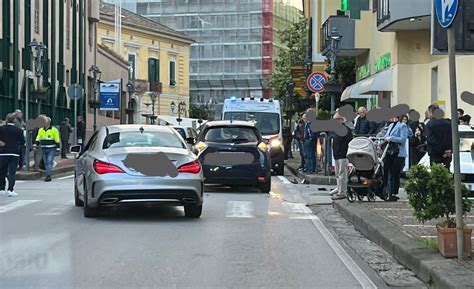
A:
{"points": [[362, 154]]}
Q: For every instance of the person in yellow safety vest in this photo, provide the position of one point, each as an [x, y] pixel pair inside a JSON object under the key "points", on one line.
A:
{"points": [[48, 139]]}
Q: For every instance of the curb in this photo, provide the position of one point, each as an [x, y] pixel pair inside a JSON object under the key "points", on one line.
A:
{"points": [[315, 179], [28, 176], [428, 265]]}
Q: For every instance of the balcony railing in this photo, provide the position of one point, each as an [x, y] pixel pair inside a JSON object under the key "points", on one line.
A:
{"points": [[398, 15]]}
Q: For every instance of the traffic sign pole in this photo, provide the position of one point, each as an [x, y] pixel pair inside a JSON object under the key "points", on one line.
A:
{"points": [[455, 137], [446, 12], [75, 114]]}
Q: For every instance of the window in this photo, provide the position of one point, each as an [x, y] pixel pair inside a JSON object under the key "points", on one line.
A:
{"points": [[267, 123], [133, 65], [37, 16], [172, 73], [153, 70], [231, 134], [129, 139]]}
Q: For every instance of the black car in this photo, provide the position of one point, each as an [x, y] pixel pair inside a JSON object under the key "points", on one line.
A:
{"points": [[234, 153]]}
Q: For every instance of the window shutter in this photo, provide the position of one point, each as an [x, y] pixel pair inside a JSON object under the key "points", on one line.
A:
{"points": [[151, 70]]}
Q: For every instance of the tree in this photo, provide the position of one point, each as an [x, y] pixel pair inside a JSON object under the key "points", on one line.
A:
{"points": [[199, 111], [295, 42]]}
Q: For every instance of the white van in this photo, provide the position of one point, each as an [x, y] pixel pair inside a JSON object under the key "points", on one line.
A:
{"points": [[266, 115]]}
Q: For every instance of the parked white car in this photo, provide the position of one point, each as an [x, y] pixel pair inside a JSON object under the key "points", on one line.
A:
{"points": [[466, 148]]}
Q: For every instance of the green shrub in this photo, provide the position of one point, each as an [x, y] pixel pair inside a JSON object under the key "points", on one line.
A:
{"points": [[431, 194]]}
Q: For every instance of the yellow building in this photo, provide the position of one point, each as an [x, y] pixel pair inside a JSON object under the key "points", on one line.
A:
{"points": [[392, 45], [158, 57]]}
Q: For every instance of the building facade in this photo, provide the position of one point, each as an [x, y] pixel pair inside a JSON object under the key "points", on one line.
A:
{"points": [[392, 45], [66, 29], [236, 42], [158, 57]]}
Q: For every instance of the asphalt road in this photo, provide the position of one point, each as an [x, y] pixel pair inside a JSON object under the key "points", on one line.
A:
{"points": [[244, 239]]}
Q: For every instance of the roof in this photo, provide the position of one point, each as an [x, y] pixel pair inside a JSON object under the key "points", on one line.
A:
{"points": [[136, 127], [113, 54], [229, 123], [107, 12]]}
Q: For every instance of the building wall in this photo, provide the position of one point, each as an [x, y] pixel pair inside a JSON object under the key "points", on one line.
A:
{"points": [[147, 45]]}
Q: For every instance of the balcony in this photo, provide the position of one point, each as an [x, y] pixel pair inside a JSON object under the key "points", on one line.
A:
{"points": [[346, 27], [400, 15]]}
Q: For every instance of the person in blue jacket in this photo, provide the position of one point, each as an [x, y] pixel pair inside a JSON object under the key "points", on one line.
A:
{"points": [[397, 134]]}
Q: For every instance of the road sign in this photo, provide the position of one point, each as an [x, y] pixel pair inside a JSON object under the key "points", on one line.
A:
{"points": [[75, 91], [316, 82], [110, 96], [446, 11]]}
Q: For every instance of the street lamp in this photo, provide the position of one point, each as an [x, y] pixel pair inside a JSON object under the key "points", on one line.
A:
{"points": [[38, 49], [95, 73], [153, 100], [181, 107], [334, 38], [129, 111]]}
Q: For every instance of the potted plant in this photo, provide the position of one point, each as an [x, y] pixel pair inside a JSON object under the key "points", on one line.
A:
{"points": [[431, 194]]}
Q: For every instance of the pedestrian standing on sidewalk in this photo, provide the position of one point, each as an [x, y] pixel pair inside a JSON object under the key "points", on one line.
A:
{"points": [[438, 137], [48, 139], [65, 131], [81, 131], [396, 137], [310, 138], [340, 146], [20, 123], [299, 135], [363, 125], [11, 139], [418, 145]]}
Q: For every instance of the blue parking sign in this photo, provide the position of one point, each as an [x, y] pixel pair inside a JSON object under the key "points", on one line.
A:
{"points": [[110, 96]]}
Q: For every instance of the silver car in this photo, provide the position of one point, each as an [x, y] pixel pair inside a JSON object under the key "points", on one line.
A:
{"points": [[125, 163]]}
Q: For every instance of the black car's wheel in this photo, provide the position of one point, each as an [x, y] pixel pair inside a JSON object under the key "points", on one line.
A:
{"points": [[89, 212], [266, 186], [192, 211]]}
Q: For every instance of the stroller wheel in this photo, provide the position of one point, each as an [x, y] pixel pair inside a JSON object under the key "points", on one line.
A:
{"points": [[371, 196], [360, 197], [351, 196]]}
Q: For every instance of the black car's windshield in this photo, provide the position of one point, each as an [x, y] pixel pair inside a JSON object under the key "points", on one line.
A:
{"points": [[139, 139], [231, 134], [267, 123]]}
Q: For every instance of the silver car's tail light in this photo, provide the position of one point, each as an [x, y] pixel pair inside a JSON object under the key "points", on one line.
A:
{"points": [[106, 168], [193, 168]]}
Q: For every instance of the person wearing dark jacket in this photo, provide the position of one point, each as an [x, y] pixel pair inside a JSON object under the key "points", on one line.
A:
{"points": [[11, 139], [417, 145], [340, 145], [438, 138], [65, 131], [81, 131], [363, 125], [299, 136]]}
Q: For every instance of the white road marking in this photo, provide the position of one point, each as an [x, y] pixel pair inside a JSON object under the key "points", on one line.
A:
{"points": [[239, 209], [310, 217], [56, 211], [66, 177], [19, 182], [296, 208], [15, 205], [284, 180], [391, 209]]}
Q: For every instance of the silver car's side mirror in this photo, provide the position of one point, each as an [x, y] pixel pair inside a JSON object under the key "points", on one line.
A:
{"points": [[76, 149]]}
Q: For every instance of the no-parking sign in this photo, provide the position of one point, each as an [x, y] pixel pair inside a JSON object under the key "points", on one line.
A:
{"points": [[316, 82]]}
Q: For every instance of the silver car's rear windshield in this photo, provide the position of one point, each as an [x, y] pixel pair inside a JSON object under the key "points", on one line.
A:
{"points": [[231, 134], [146, 139]]}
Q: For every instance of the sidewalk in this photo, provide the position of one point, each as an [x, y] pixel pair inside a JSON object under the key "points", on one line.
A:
{"points": [[392, 226], [62, 166], [317, 179]]}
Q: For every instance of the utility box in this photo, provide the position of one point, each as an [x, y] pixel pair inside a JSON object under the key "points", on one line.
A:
{"points": [[464, 31]]}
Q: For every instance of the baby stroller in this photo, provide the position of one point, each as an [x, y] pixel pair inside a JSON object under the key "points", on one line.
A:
{"points": [[366, 173]]}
